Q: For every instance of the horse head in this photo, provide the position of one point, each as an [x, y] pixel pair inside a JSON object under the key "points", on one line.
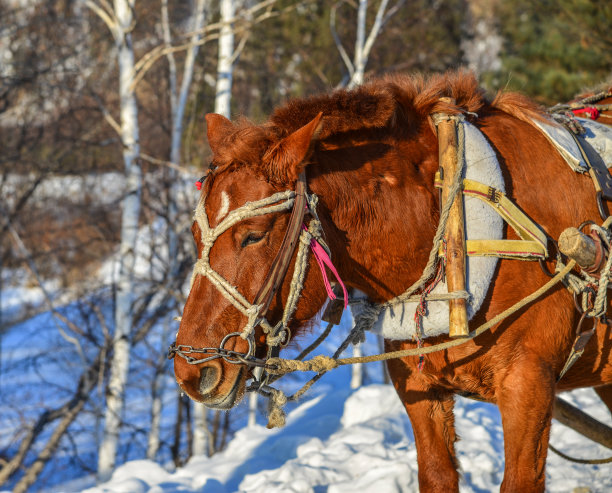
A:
{"points": [[240, 226]]}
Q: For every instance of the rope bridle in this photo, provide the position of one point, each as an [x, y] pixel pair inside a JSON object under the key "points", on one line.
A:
{"points": [[297, 236]]}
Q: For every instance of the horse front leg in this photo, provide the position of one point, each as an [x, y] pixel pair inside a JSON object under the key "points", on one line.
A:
{"points": [[433, 425], [525, 402]]}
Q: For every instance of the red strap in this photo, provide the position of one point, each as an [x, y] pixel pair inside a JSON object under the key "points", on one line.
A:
{"points": [[324, 260], [588, 112]]}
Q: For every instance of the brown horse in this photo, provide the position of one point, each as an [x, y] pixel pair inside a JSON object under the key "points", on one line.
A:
{"points": [[371, 160]]}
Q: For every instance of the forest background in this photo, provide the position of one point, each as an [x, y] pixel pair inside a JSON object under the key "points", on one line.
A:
{"points": [[102, 135]]}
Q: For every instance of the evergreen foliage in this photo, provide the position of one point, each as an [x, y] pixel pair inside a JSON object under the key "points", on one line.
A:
{"points": [[553, 48]]}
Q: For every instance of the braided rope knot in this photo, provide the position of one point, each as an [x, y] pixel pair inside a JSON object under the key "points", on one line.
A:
{"points": [[201, 267], [208, 240], [252, 314], [365, 321], [276, 415], [277, 339]]}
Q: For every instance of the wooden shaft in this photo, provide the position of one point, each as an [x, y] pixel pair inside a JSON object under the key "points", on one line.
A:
{"points": [[455, 234], [584, 424], [579, 247]]}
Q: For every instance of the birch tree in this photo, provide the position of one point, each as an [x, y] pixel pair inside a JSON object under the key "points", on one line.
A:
{"points": [[363, 45], [120, 22], [225, 62], [178, 103], [201, 434]]}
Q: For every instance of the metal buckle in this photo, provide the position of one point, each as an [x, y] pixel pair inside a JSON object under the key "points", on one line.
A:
{"points": [[493, 195]]}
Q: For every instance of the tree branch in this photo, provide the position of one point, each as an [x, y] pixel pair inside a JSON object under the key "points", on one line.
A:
{"points": [[108, 17], [337, 41], [209, 33]]}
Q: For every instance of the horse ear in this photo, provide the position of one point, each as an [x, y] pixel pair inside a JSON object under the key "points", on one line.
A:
{"points": [[287, 157], [217, 128]]}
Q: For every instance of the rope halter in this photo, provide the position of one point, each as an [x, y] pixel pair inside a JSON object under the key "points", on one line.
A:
{"points": [[297, 236]]}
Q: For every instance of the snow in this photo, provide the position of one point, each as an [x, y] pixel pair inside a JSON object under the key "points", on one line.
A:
{"points": [[346, 441]]}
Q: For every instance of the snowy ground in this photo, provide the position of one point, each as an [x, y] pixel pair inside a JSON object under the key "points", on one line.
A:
{"points": [[344, 441]]}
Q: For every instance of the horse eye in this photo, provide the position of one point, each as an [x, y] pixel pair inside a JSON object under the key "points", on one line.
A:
{"points": [[252, 238]]}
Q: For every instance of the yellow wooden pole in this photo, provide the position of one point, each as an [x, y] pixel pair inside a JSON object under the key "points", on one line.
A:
{"points": [[455, 230]]}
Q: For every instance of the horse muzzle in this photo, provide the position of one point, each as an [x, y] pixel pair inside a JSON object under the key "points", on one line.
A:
{"points": [[212, 385]]}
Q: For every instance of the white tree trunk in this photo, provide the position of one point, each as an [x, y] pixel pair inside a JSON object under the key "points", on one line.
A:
{"points": [[200, 429], [253, 398], [156, 399], [156, 409], [363, 46], [225, 64], [360, 59], [178, 104], [129, 231], [481, 43]]}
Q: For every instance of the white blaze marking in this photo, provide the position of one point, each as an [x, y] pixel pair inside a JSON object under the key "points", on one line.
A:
{"points": [[224, 206]]}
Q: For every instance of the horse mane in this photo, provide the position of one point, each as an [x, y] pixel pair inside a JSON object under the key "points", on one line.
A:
{"points": [[395, 103], [395, 100]]}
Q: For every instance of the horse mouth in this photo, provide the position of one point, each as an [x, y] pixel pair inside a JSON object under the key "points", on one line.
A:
{"points": [[230, 399]]}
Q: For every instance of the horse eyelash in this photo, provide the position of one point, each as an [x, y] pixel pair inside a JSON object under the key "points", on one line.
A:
{"points": [[252, 238]]}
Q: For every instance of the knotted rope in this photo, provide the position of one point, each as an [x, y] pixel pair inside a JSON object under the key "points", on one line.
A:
{"points": [[281, 366]]}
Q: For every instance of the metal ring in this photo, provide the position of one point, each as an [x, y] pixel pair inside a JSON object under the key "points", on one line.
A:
{"points": [[601, 207], [542, 261], [583, 224]]}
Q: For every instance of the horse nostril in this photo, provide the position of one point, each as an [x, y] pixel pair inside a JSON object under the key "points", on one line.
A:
{"points": [[208, 379]]}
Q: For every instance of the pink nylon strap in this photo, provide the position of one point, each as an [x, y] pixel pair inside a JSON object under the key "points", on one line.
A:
{"points": [[324, 260]]}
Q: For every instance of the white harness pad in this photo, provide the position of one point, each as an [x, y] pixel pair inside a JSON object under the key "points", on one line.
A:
{"points": [[481, 223], [599, 136]]}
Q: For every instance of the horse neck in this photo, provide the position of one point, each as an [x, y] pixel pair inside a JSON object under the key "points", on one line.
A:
{"points": [[379, 209]]}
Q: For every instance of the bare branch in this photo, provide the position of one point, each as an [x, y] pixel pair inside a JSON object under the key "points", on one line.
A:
{"points": [[209, 33], [170, 55], [376, 27], [34, 271], [162, 162], [392, 11], [106, 114], [337, 41], [240, 47], [84, 387], [108, 17]]}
